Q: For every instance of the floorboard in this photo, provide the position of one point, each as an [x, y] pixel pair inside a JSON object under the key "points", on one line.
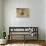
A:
{"points": [[25, 43]]}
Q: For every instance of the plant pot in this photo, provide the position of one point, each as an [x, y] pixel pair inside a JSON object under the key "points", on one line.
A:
{"points": [[3, 41]]}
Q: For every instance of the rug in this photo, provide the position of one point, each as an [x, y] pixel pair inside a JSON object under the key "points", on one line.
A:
{"points": [[23, 45]]}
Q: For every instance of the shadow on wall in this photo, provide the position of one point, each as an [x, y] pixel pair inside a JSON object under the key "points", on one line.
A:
{"points": [[1, 34]]}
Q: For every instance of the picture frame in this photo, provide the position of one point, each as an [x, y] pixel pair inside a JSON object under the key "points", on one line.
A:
{"points": [[22, 12]]}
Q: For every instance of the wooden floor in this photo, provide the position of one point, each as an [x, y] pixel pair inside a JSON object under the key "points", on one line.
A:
{"points": [[12, 42], [21, 45]]}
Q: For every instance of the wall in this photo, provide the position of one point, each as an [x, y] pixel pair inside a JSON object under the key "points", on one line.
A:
{"points": [[0, 11], [0, 18], [36, 15], [45, 19]]}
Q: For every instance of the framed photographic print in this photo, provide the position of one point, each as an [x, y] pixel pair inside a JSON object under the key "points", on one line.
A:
{"points": [[22, 12]]}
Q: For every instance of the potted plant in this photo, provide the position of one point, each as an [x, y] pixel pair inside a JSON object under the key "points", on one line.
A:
{"points": [[2, 37]]}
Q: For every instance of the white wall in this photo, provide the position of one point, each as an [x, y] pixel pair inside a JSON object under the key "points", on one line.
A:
{"points": [[45, 19], [36, 15], [0, 12], [0, 18]]}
